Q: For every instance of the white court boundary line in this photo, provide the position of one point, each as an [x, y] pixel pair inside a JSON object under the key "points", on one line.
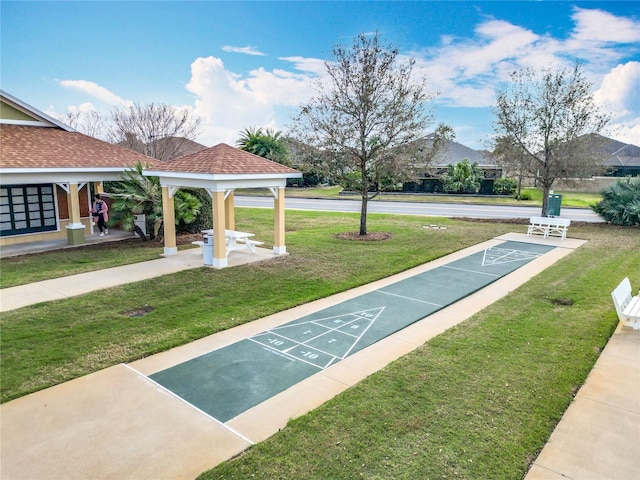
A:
{"points": [[504, 253], [409, 298], [335, 357], [174, 395], [473, 271]]}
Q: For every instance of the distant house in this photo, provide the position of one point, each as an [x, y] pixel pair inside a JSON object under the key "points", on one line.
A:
{"points": [[454, 152], [48, 173], [620, 159], [430, 178]]}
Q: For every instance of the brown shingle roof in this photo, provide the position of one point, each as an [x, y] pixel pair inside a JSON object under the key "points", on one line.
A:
{"points": [[43, 147], [223, 159]]}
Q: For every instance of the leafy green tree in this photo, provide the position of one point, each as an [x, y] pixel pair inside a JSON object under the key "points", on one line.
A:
{"points": [[266, 143], [543, 113], [367, 116], [137, 194], [463, 177], [620, 203]]}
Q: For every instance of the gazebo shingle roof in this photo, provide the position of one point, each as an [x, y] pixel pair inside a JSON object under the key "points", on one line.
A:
{"points": [[51, 147], [223, 159]]}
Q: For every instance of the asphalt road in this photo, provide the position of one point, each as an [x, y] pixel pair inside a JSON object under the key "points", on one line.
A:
{"points": [[417, 208]]}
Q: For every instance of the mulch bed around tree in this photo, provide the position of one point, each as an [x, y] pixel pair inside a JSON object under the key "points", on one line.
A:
{"points": [[369, 237]]}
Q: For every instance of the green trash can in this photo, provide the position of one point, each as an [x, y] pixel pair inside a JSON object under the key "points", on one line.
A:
{"points": [[553, 205]]}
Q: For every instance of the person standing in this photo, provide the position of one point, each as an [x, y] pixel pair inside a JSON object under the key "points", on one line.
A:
{"points": [[100, 214]]}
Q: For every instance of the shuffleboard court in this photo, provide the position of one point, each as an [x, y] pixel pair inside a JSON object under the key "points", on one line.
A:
{"points": [[226, 382]]}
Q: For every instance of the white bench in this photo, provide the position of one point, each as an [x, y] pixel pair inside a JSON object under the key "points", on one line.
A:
{"points": [[549, 226], [627, 306]]}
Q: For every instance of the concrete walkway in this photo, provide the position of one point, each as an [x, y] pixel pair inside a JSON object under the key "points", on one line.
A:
{"points": [[116, 423], [73, 285]]}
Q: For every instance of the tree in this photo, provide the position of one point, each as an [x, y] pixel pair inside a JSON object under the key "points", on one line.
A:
{"points": [[156, 130], [544, 113], [463, 177], [264, 143], [367, 117], [138, 194], [89, 122]]}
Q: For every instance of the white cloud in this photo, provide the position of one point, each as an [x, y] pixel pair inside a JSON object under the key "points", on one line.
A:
{"points": [[245, 50], [467, 71], [83, 108], [620, 90], [228, 103], [96, 91], [627, 132], [619, 93], [310, 65], [603, 27]]}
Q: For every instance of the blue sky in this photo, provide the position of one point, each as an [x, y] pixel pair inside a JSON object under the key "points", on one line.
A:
{"points": [[242, 64]]}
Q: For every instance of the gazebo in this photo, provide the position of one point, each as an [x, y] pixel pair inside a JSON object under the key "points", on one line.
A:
{"points": [[220, 170]]}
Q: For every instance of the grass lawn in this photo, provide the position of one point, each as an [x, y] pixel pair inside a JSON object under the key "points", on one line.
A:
{"points": [[25, 269], [478, 401], [569, 199]]}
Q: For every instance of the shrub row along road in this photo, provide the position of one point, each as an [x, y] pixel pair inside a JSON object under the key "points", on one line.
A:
{"points": [[418, 208]]}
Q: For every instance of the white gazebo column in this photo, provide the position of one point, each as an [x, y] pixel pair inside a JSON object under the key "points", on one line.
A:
{"points": [[278, 221], [219, 223], [169, 215], [75, 228], [229, 210]]}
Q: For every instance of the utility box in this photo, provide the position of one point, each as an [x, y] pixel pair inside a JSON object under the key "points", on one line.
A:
{"points": [[140, 221], [207, 249], [553, 205]]}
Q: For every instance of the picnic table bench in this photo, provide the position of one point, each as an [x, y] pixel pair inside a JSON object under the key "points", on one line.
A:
{"points": [[548, 226], [235, 240], [627, 306]]}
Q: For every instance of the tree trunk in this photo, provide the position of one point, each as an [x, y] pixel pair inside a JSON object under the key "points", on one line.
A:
{"points": [[363, 213], [545, 199]]}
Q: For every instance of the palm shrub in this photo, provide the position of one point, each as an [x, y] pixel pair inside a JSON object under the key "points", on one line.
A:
{"points": [[137, 194], [204, 218], [620, 204], [463, 177], [265, 143], [505, 186]]}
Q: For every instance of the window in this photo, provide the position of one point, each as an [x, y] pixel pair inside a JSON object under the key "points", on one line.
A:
{"points": [[27, 209]]}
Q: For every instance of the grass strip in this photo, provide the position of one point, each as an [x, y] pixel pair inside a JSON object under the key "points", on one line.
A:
{"points": [[24, 269], [533, 195], [478, 401]]}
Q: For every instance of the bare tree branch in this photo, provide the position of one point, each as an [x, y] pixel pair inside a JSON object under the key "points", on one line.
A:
{"points": [[155, 130]]}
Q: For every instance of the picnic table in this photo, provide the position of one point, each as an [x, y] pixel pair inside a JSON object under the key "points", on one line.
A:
{"points": [[235, 240]]}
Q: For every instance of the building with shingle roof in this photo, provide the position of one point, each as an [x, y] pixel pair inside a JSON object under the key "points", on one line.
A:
{"points": [[48, 173]]}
